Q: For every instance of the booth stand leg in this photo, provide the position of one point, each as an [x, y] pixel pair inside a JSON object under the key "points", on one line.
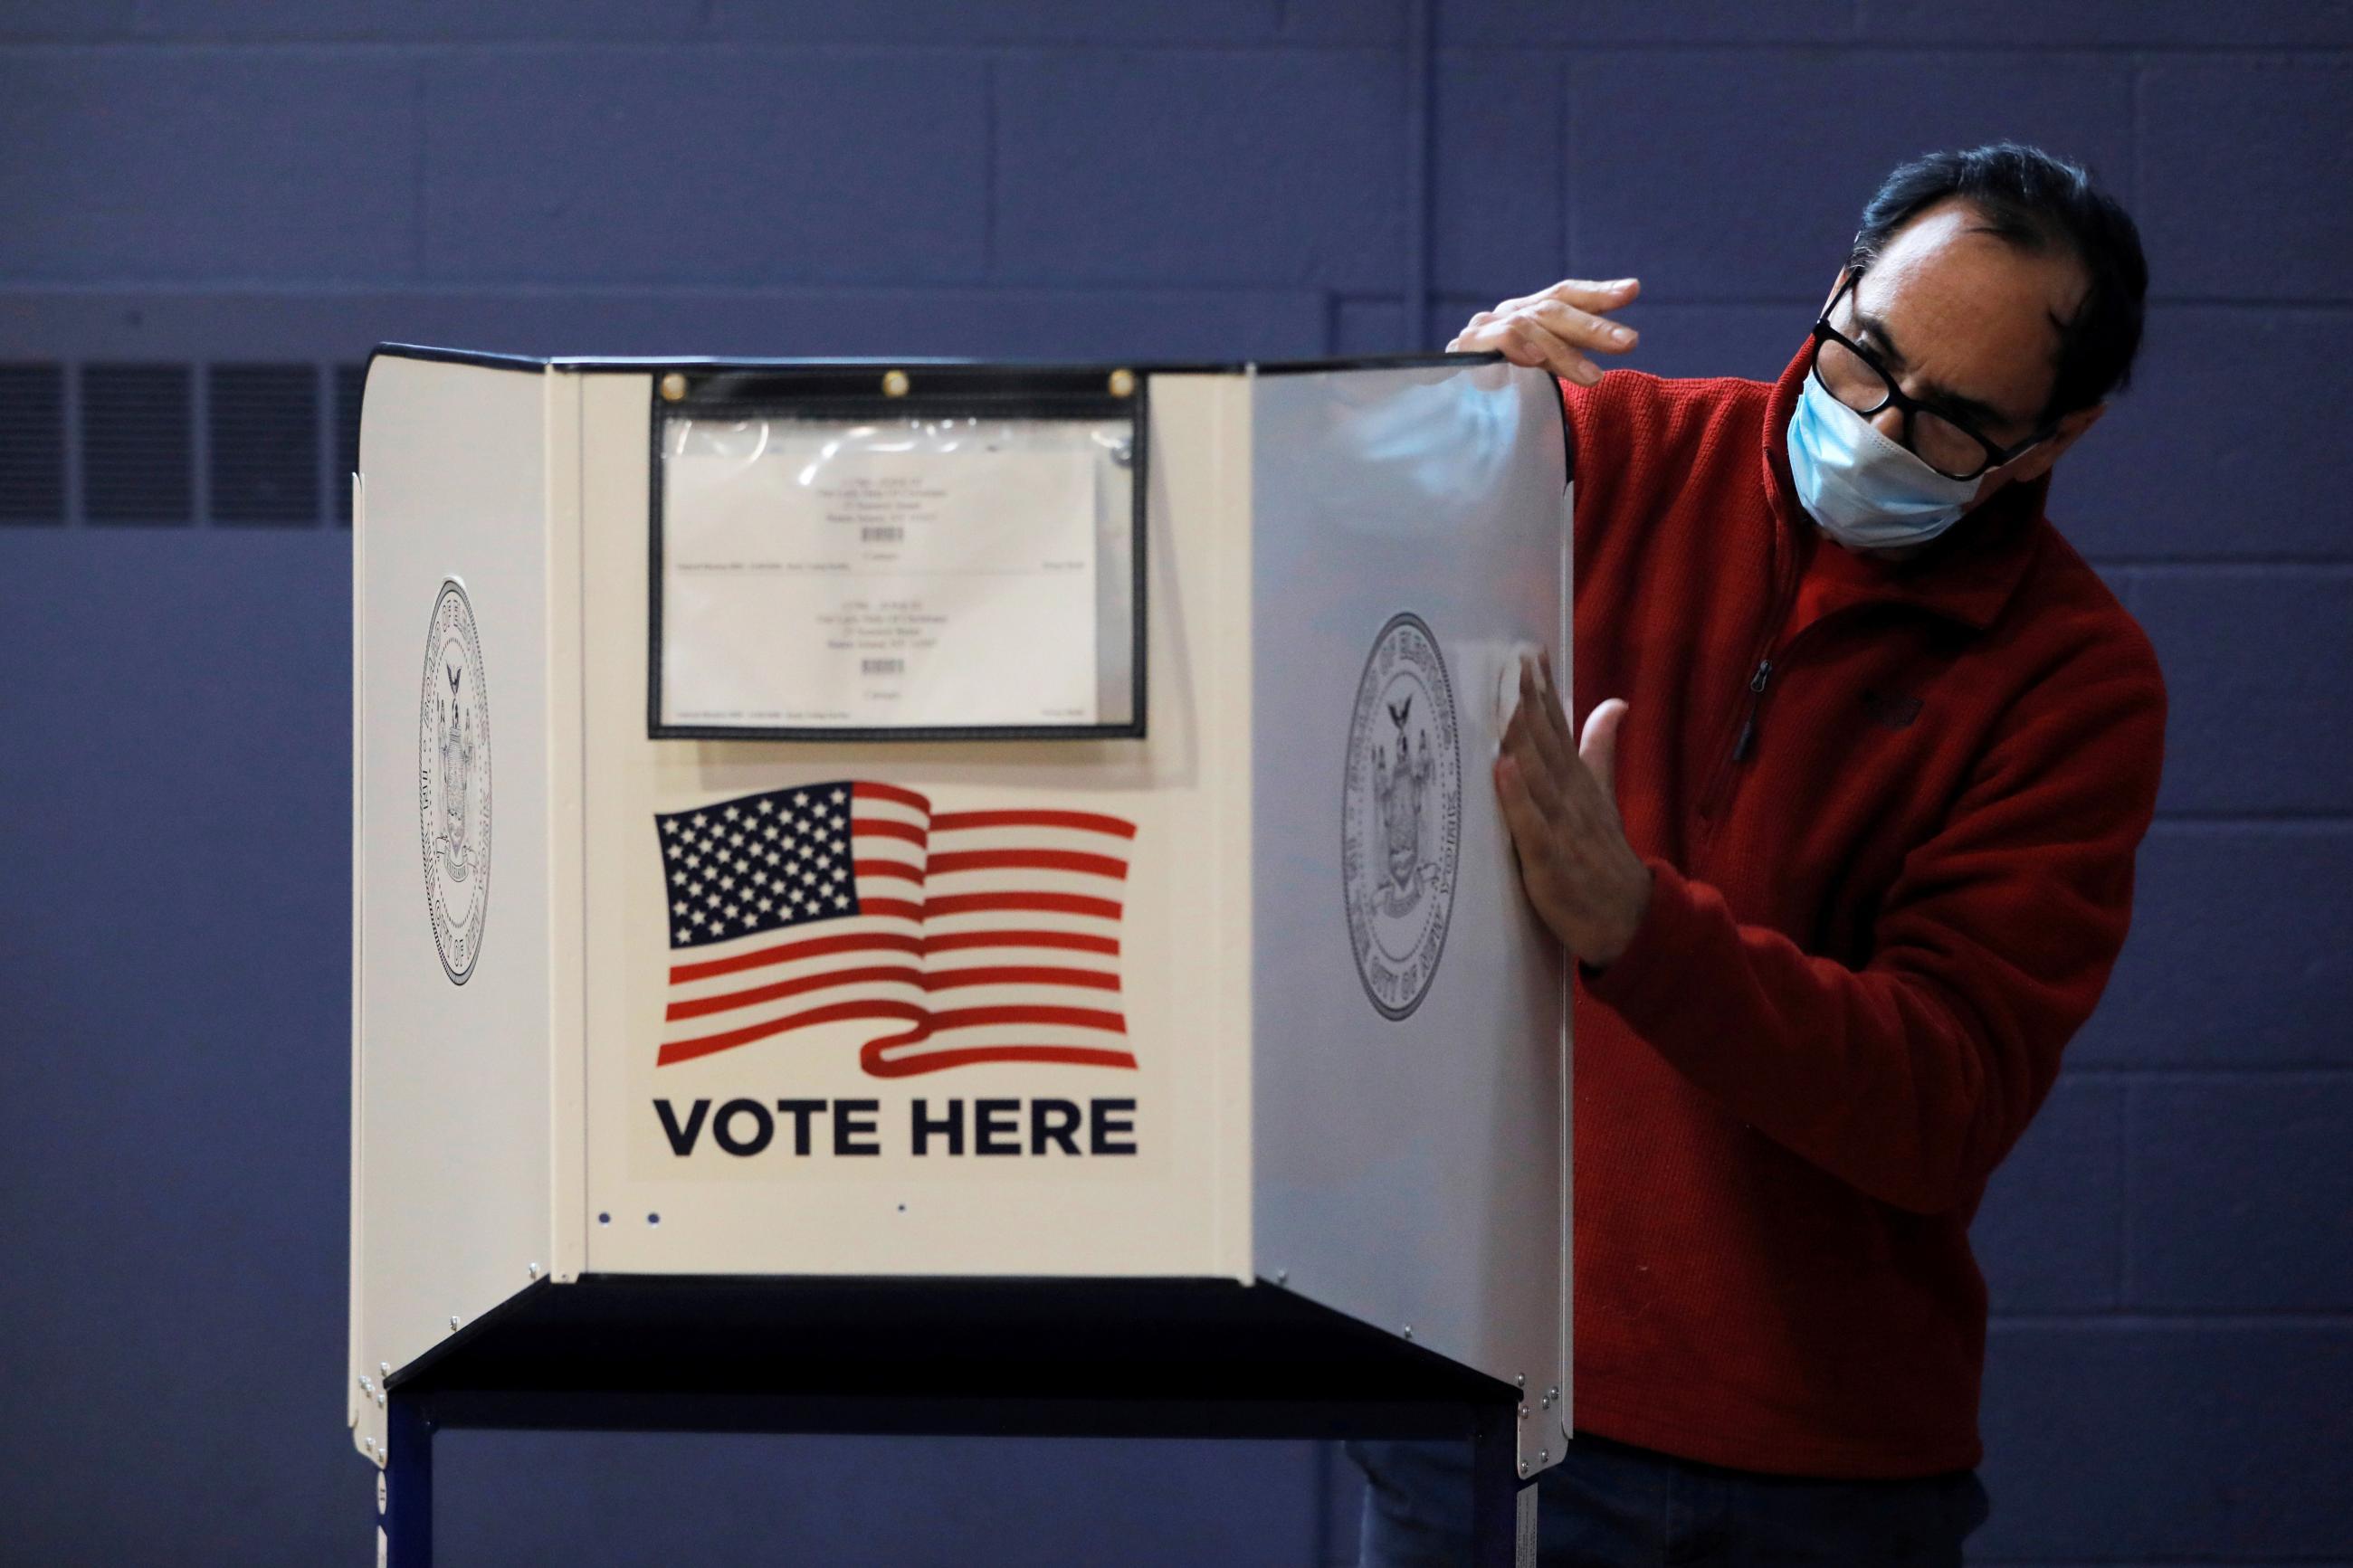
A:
{"points": [[406, 1517], [1503, 1506]]}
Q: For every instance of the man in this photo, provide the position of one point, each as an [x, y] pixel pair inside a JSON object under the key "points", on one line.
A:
{"points": [[1845, 855]]}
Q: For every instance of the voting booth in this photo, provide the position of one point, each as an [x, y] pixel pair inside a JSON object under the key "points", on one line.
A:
{"points": [[950, 896]]}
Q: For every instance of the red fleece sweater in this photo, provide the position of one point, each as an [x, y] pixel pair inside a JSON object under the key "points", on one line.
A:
{"points": [[1891, 872]]}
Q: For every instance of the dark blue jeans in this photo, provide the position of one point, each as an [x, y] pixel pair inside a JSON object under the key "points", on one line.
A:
{"points": [[1610, 1506]]}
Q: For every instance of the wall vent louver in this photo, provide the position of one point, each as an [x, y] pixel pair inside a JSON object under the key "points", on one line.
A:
{"points": [[178, 445], [32, 444], [137, 443], [262, 430]]}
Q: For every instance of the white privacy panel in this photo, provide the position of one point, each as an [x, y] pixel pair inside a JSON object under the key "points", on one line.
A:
{"points": [[1410, 543], [464, 688]]}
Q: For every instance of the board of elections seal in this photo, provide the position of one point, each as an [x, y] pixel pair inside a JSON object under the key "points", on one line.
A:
{"points": [[1401, 815], [453, 782]]}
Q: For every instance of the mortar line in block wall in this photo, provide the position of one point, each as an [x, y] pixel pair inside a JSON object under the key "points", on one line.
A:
{"points": [[2125, 1119], [2281, 51], [1565, 100], [416, 281], [2248, 817], [1419, 62], [2135, 122], [2181, 1321], [2316, 1075], [145, 287], [988, 165], [2229, 566], [420, 151]]}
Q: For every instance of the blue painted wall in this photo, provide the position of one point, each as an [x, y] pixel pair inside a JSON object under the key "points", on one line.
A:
{"points": [[266, 182]]}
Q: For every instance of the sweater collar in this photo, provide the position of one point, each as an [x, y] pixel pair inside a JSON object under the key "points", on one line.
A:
{"points": [[1969, 575]]}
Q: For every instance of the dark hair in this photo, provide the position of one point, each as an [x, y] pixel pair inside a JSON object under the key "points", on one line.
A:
{"points": [[2039, 203]]}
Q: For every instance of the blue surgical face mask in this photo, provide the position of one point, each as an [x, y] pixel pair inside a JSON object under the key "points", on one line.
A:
{"points": [[1867, 492]]}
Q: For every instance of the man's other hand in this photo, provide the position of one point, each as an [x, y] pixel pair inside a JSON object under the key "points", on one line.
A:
{"points": [[1559, 801], [1557, 328]]}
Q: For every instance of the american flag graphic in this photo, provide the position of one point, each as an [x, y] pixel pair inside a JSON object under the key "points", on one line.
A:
{"points": [[975, 936]]}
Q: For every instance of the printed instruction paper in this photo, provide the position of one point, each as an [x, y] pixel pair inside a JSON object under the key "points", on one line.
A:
{"points": [[822, 579]]}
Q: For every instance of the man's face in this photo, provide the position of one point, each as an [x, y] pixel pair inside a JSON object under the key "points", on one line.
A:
{"points": [[1968, 325]]}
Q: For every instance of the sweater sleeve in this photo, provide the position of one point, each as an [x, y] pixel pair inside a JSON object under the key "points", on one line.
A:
{"points": [[1911, 1077]]}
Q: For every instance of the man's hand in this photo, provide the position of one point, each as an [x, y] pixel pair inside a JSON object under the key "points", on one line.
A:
{"points": [[1556, 329], [1581, 874]]}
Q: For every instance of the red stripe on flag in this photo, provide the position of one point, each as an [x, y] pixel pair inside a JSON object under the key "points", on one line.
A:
{"points": [[1021, 975], [1035, 903], [703, 1007], [885, 828], [687, 1050], [1072, 941], [876, 1065], [876, 1057], [866, 790], [1027, 860], [894, 868], [1022, 1012], [1086, 821], [816, 947]]}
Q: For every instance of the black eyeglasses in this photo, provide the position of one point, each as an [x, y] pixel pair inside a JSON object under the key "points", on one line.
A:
{"points": [[1946, 442]]}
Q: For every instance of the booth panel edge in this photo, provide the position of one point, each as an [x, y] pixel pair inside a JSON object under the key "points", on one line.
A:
{"points": [[565, 1254], [1413, 1141], [360, 1380], [452, 953]]}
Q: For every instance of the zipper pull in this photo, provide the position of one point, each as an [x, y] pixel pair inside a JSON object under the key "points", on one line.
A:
{"points": [[1756, 683]]}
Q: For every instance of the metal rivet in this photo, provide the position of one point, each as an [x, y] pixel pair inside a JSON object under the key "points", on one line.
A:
{"points": [[1283, 1275], [894, 383], [1123, 383], [379, 1402], [1553, 1393], [1521, 1381], [531, 1269], [384, 1367], [367, 1383], [1544, 1456], [1523, 1410], [673, 387], [1524, 1467], [453, 1322], [1408, 1330]]}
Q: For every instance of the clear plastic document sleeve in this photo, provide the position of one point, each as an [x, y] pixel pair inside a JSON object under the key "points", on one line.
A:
{"points": [[915, 575]]}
